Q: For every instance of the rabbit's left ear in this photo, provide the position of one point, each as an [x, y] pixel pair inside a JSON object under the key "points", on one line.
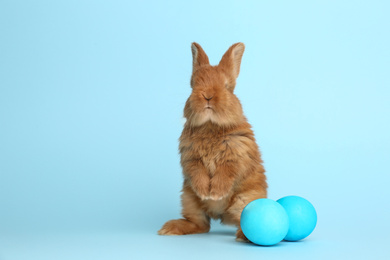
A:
{"points": [[231, 60]]}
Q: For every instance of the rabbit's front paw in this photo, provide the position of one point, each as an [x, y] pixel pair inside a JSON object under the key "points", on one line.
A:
{"points": [[217, 194], [203, 194], [202, 190]]}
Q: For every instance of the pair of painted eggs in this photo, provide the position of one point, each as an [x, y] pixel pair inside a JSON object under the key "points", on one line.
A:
{"points": [[267, 222]]}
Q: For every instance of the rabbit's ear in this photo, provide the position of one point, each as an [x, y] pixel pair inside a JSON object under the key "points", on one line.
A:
{"points": [[231, 60], [199, 57]]}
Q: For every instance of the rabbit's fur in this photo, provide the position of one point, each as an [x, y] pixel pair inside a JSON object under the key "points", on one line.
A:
{"points": [[221, 162]]}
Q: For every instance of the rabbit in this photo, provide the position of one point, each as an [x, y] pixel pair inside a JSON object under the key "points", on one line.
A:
{"points": [[222, 166]]}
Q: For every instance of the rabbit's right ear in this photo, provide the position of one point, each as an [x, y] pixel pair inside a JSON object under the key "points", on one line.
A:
{"points": [[199, 57]]}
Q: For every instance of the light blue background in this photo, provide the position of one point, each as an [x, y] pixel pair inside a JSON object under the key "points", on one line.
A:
{"points": [[91, 99]]}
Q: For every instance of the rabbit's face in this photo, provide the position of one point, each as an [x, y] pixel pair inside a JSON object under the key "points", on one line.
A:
{"points": [[211, 98]]}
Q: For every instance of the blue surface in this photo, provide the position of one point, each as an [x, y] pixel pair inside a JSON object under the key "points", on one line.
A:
{"points": [[264, 222], [302, 217], [91, 99]]}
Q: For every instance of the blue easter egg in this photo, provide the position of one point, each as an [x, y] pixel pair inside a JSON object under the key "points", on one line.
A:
{"points": [[264, 222], [302, 217]]}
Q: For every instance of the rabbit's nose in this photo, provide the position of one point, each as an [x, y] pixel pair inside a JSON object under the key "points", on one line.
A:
{"points": [[208, 98]]}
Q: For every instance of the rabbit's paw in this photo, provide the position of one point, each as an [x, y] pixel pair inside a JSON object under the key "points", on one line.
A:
{"points": [[218, 194], [240, 237], [182, 227]]}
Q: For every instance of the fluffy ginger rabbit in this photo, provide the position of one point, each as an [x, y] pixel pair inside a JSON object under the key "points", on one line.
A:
{"points": [[221, 162]]}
